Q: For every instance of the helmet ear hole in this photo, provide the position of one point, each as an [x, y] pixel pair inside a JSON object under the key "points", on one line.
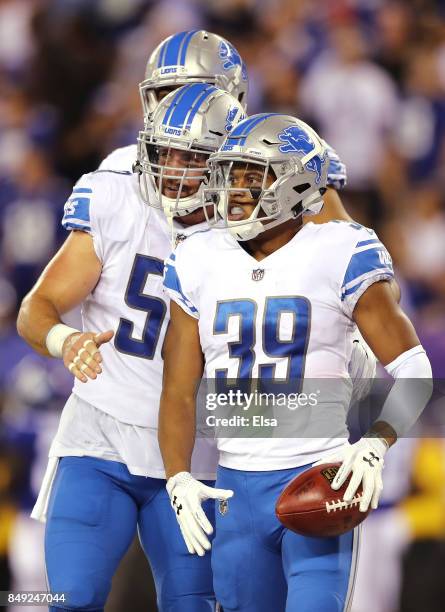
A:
{"points": [[301, 188], [297, 209]]}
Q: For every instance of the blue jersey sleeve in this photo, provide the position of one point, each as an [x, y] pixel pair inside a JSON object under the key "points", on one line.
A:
{"points": [[98, 206], [337, 177], [76, 215], [370, 262], [173, 287]]}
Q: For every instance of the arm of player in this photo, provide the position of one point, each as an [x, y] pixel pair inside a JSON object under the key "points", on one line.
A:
{"points": [[393, 339], [183, 368], [66, 281], [334, 209]]}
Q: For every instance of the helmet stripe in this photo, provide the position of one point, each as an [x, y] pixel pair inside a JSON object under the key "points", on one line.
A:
{"points": [[243, 130], [257, 121], [242, 126], [185, 45], [205, 94], [188, 105], [179, 94], [183, 104], [162, 52], [173, 46]]}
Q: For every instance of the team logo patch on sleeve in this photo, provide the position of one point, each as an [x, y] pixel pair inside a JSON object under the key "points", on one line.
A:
{"points": [[295, 140], [76, 214]]}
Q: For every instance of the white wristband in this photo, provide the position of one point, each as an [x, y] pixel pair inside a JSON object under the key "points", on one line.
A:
{"points": [[57, 336], [411, 391]]}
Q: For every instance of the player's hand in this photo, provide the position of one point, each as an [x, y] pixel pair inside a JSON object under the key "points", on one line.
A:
{"points": [[365, 460], [81, 355], [186, 496]]}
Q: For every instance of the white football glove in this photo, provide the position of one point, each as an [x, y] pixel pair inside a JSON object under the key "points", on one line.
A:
{"points": [[186, 496], [365, 460]]}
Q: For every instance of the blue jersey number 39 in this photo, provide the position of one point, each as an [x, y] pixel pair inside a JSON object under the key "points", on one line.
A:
{"points": [[293, 349]]}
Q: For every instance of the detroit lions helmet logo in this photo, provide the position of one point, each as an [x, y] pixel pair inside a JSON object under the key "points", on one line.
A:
{"points": [[231, 114], [231, 58], [296, 140]]}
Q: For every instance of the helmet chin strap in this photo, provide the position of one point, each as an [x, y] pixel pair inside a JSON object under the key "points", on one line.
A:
{"points": [[313, 204], [188, 204], [246, 232]]}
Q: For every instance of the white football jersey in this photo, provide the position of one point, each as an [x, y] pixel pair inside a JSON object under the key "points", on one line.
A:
{"points": [[288, 316], [131, 240], [122, 158], [115, 417]]}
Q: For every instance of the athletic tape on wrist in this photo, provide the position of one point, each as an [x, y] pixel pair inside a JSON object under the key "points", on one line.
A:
{"points": [[57, 336]]}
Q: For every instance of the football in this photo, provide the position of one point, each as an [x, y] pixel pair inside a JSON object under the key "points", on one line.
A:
{"points": [[309, 506]]}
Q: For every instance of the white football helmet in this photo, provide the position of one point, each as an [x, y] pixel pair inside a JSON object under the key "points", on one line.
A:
{"points": [[187, 126], [282, 164], [193, 57]]}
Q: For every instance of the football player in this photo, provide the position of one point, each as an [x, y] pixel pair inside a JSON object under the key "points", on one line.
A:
{"points": [[105, 477], [277, 301]]}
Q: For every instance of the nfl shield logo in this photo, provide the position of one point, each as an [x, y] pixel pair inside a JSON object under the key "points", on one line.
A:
{"points": [[223, 506], [258, 274], [179, 238]]}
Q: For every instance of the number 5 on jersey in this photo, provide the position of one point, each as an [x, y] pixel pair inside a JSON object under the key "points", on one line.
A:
{"points": [[155, 308]]}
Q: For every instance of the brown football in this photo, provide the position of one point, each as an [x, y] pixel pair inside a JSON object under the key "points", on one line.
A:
{"points": [[309, 506]]}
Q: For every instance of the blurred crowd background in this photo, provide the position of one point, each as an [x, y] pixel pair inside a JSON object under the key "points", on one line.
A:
{"points": [[368, 74]]}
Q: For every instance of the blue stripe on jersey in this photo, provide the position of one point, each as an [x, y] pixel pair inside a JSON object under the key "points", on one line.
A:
{"points": [[173, 46], [193, 96], [70, 224], [365, 242], [82, 190], [375, 258], [172, 282], [356, 225], [185, 45], [351, 290]]}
